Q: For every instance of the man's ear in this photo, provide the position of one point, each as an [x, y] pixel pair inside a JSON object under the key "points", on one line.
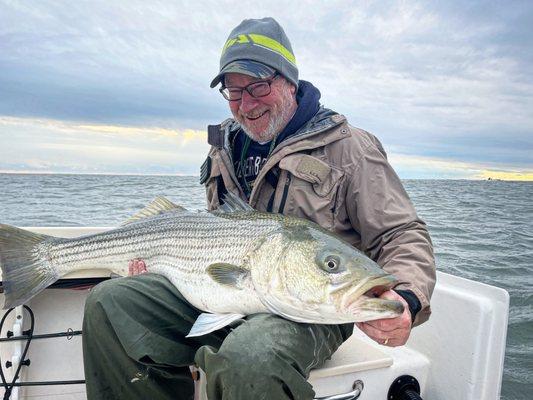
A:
{"points": [[293, 89]]}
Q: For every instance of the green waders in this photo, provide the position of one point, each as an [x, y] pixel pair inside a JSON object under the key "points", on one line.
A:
{"points": [[134, 347]]}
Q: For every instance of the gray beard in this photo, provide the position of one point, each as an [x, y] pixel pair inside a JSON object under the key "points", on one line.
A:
{"points": [[277, 122]]}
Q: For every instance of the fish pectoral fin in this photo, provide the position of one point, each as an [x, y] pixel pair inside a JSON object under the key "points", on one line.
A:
{"points": [[158, 206], [207, 323], [229, 275]]}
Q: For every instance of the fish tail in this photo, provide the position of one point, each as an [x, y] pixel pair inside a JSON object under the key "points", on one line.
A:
{"points": [[24, 271]]}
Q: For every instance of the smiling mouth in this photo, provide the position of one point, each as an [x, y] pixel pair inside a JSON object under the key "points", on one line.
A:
{"points": [[259, 116]]}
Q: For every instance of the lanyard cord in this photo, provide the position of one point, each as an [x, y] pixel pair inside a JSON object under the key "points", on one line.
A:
{"points": [[245, 148]]}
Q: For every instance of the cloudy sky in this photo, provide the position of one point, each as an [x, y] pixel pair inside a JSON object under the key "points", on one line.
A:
{"points": [[123, 86]]}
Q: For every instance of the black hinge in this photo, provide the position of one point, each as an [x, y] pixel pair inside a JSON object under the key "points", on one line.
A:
{"points": [[215, 136], [205, 170]]}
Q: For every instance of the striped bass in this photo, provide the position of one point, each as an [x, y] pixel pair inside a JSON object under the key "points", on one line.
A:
{"points": [[229, 263]]}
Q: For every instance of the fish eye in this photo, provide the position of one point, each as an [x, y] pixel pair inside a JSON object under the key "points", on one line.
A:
{"points": [[332, 264]]}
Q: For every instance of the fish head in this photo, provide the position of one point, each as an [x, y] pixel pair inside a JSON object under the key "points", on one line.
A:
{"points": [[307, 274]]}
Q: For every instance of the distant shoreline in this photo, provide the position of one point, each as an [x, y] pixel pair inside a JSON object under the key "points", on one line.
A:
{"points": [[92, 173], [197, 175]]}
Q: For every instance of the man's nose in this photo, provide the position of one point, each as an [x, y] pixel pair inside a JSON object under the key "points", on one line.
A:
{"points": [[248, 103]]}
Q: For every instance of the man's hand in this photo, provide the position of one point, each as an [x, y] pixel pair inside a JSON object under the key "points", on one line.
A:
{"points": [[390, 332], [136, 267]]}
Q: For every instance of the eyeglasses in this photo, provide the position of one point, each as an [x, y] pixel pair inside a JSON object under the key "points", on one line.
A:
{"points": [[256, 89]]}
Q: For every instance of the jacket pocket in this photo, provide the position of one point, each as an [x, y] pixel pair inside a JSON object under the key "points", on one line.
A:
{"points": [[313, 188]]}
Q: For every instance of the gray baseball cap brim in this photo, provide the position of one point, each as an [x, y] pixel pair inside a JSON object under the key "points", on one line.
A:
{"points": [[247, 67]]}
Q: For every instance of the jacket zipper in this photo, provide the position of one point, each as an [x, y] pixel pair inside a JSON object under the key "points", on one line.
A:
{"points": [[285, 193]]}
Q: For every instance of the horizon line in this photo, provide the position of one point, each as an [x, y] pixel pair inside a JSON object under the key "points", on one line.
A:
{"points": [[10, 172]]}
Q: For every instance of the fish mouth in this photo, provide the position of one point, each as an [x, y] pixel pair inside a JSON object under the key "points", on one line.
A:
{"points": [[375, 308], [368, 289], [363, 301]]}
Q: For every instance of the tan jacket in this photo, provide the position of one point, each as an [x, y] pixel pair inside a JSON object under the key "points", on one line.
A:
{"points": [[339, 177]]}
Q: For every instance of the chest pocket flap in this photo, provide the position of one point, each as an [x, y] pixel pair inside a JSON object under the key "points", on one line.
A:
{"points": [[321, 175]]}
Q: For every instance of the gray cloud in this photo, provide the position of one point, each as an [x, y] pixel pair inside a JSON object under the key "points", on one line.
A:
{"points": [[446, 79]]}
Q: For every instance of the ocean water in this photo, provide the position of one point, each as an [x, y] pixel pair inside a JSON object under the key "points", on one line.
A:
{"points": [[481, 230]]}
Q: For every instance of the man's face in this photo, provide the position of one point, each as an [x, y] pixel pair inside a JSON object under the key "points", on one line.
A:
{"points": [[264, 117]]}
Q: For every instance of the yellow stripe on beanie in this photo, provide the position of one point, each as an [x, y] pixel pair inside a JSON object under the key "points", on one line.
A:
{"points": [[273, 45], [264, 41]]}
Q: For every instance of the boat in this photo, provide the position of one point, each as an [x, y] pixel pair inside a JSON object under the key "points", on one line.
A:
{"points": [[457, 354]]}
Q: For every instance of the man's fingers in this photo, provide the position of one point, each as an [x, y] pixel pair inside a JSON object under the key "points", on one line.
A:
{"points": [[389, 331], [142, 267], [136, 267], [384, 325], [397, 337], [390, 324], [390, 295], [380, 335]]}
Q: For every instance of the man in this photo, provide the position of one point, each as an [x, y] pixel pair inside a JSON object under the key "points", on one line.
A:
{"points": [[283, 153]]}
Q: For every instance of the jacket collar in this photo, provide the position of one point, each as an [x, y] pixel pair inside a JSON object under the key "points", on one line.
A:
{"points": [[323, 120], [316, 133]]}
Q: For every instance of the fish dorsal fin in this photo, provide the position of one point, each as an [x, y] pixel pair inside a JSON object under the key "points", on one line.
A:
{"points": [[233, 203], [158, 206]]}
